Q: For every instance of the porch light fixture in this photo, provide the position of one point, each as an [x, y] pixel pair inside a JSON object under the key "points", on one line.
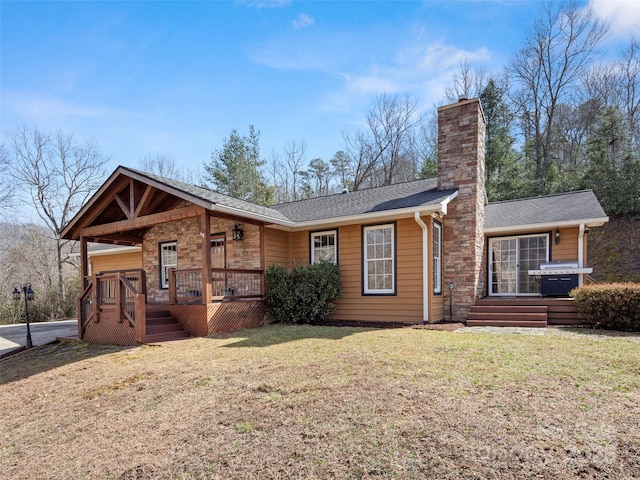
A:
{"points": [[557, 236], [237, 233], [28, 296]]}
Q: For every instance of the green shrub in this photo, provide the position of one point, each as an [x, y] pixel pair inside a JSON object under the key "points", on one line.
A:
{"points": [[305, 295], [613, 306]]}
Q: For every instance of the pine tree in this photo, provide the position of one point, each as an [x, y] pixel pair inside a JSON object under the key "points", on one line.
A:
{"points": [[235, 169]]}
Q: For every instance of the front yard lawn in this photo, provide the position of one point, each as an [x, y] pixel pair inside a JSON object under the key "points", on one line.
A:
{"points": [[326, 402]]}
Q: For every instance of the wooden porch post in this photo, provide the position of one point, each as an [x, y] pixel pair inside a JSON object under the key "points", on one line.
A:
{"points": [[172, 287], [84, 271], [207, 290]]}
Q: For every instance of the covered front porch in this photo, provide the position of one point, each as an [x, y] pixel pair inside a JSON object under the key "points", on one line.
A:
{"points": [[201, 265], [113, 307]]}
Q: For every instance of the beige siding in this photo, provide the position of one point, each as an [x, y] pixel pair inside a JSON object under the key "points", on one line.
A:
{"points": [[277, 247], [300, 248], [406, 305], [116, 261], [436, 301], [568, 247]]}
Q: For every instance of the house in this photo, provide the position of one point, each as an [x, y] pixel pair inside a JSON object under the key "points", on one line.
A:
{"points": [[421, 251]]}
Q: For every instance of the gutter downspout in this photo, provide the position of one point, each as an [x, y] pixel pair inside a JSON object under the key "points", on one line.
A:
{"points": [[581, 253], [425, 268]]}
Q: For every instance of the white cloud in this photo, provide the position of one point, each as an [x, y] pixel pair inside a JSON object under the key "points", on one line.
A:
{"points": [[260, 4], [49, 112], [623, 16], [303, 21]]}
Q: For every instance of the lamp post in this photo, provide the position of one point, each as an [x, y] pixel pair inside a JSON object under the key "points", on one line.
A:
{"points": [[28, 296]]}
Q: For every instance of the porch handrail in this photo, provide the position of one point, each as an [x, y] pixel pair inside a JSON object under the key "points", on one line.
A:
{"points": [[186, 284], [87, 299], [131, 305], [114, 290], [238, 282]]}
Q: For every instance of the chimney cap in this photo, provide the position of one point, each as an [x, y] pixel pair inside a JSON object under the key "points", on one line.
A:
{"points": [[463, 97], [344, 190]]}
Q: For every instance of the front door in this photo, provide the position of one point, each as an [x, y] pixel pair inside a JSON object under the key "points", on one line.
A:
{"points": [[218, 250], [510, 260]]}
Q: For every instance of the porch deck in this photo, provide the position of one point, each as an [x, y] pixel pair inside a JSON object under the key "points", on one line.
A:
{"points": [[524, 312]]}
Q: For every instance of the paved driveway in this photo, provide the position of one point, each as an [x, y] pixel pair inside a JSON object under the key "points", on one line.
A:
{"points": [[14, 336]]}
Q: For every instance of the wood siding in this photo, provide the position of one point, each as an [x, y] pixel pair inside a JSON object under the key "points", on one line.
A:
{"points": [[567, 249], [116, 261], [405, 306], [277, 247]]}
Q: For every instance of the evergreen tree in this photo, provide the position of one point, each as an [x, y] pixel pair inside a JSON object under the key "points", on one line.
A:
{"points": [[614, 171], [235, 169], [503, 173]]}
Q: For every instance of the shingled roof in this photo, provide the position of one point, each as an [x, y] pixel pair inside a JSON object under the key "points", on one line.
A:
{"points": [[408, 195], [213, 197], [563, 209]]}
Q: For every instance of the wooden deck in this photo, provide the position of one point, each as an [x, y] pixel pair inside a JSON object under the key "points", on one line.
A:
{"points": [[524, 312]]}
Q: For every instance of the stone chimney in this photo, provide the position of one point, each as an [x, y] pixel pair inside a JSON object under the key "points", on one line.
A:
{"points": [[461, 134]]}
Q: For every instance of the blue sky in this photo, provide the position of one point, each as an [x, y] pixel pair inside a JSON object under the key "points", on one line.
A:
{"points": [[173, 78]]}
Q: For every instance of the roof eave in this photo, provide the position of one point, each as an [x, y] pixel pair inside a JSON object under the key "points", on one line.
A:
{"points": [[588, 222], [409, 212]]}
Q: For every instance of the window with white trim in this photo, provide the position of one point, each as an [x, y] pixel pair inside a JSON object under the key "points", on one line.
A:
{"points": [[324, 246], [168, 259], [379, 259], [437, 258]]}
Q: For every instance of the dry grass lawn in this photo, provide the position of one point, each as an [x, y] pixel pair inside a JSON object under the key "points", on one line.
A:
{"points": [[325, 402]]}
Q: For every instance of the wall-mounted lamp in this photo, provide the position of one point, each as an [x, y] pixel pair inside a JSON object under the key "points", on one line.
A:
{"points": [[557, 236], [237, 233]]}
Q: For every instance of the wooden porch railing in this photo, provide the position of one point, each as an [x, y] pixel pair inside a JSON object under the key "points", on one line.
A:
{"points": [[185, 285], [120, 291]]}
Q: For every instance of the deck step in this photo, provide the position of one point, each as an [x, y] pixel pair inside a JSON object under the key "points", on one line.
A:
{"points": [[163, 327], [506, 323], [165, 337], [507, 316]]}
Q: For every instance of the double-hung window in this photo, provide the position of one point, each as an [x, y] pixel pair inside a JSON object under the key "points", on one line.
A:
{"points": [[324, 246], [437, 257], [168, 259], [379, 275]]}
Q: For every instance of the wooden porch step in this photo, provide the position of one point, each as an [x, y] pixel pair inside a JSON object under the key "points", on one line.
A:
{"points": [[507, 316], [506, 323], [165, 337], [163, 327]]}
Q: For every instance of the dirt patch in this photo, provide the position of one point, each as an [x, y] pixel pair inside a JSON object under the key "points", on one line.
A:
{"points": [[444, 327]]}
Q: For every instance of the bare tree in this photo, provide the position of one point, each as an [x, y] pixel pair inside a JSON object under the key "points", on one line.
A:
{"points": [[6, 185], [385, 153], [57, 174], [629, 86], [558, 48], [295, 152], [466, 82]]}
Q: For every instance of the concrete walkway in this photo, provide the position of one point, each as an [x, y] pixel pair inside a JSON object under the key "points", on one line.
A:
{"points": [[504, 330], [15, 336]]}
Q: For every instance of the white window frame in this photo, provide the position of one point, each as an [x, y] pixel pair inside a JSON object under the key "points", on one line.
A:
{"points": [[366, 261], [437, 257], [164, 266], [312, 245]]}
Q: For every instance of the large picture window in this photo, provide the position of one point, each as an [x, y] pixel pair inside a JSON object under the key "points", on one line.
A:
{"points": [[324, 246], [437, 257], [379, 276], [168, 259]]}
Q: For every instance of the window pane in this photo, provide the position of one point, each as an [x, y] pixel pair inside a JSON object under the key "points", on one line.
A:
{"points": [[379, 259]]}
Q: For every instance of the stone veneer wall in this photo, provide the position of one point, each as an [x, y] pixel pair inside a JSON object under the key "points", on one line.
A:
{"points": [[461, 136], [243, 254]]}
